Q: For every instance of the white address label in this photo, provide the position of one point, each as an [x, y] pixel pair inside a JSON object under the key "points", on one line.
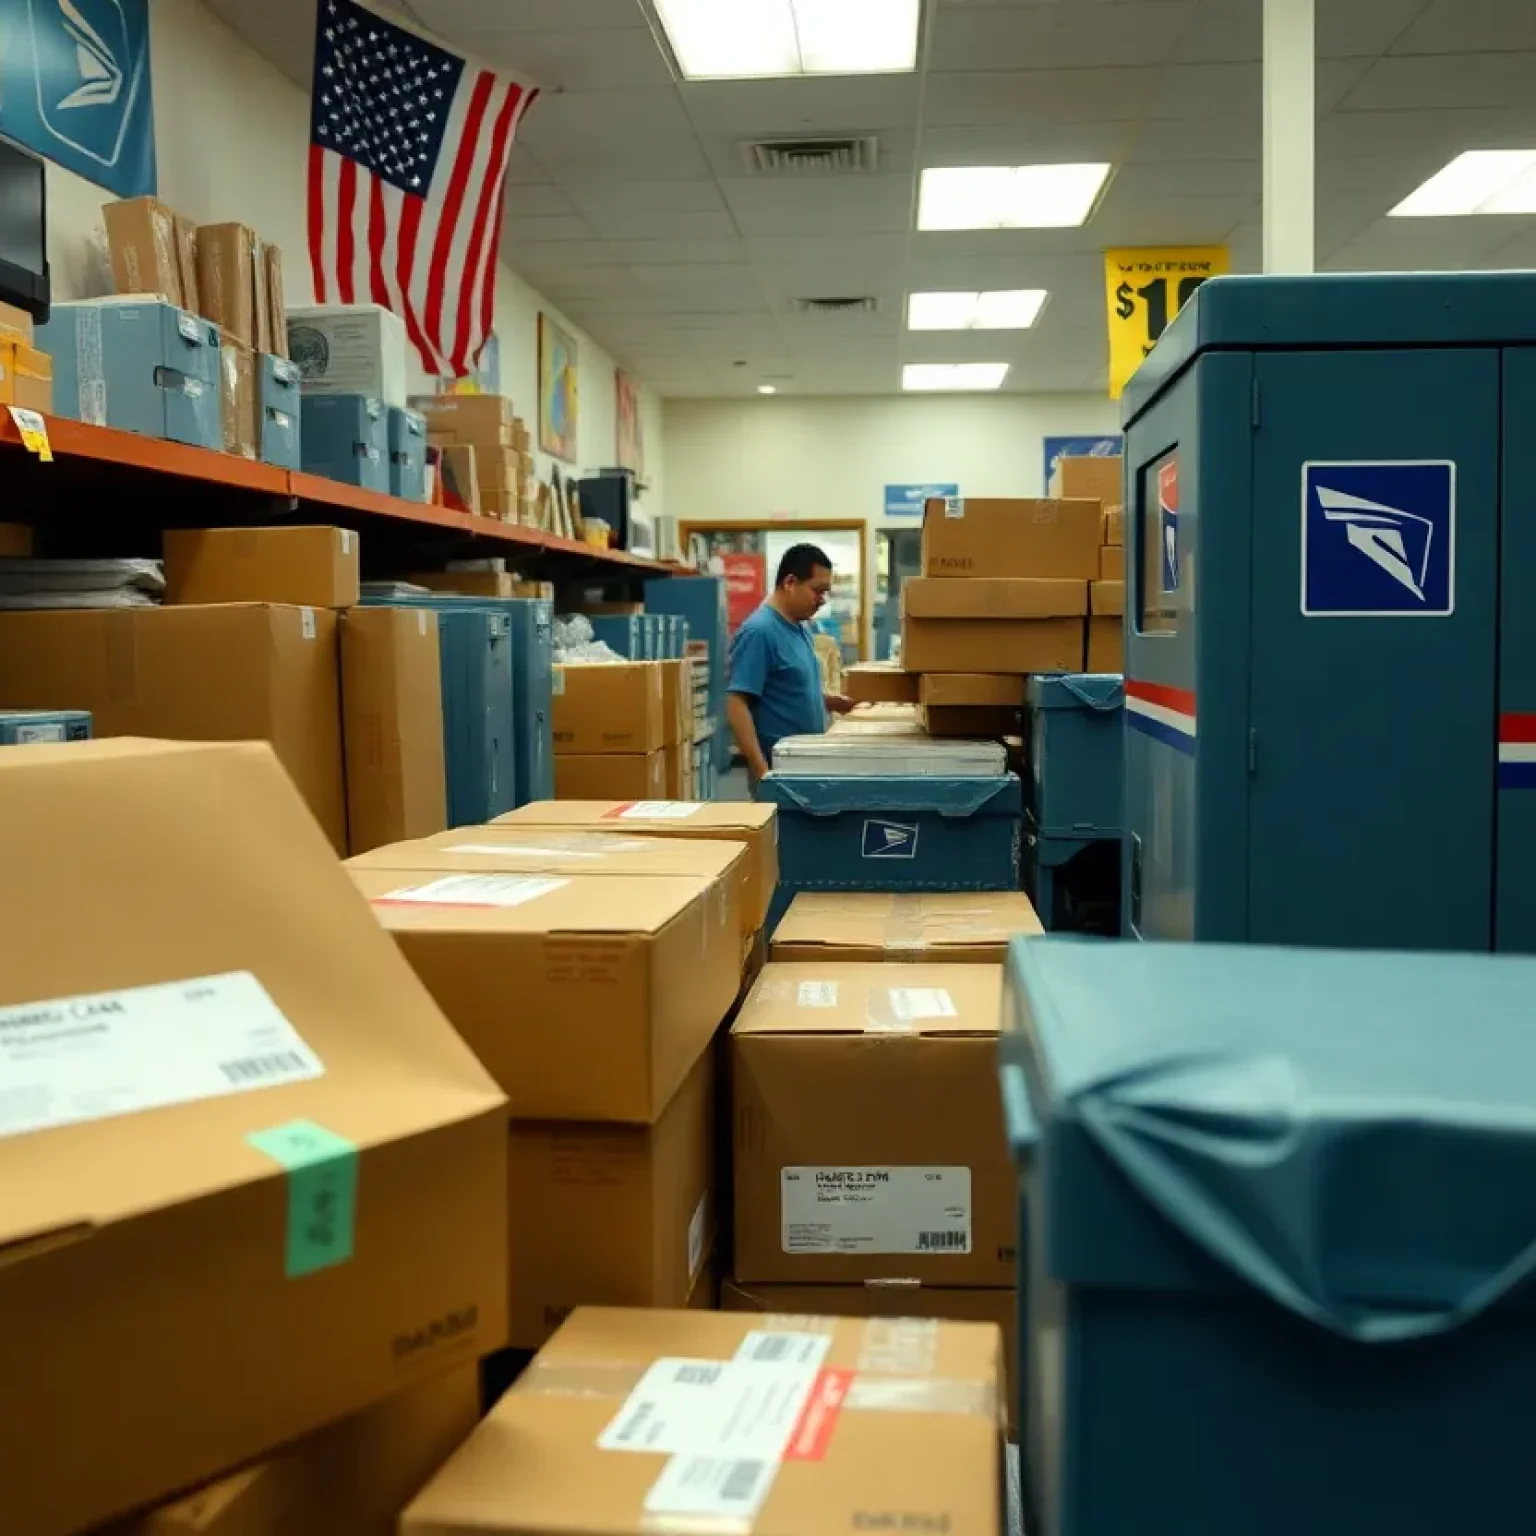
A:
{"points": [[875, 1210], [576, 848], [658, 810], [71, 1059], [914, 1003], [817, 994], [476, 891]]}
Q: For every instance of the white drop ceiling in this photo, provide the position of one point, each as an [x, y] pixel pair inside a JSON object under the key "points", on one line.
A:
{"points": [[631, 210]]}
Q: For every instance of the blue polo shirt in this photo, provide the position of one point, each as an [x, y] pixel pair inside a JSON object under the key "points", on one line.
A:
{"points": [[774, 667]]}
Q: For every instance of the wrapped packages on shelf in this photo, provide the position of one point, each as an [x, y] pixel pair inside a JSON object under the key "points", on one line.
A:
{"points": [[277, 325], [105, 583], [226, 267], [238, 397], [142, 242], [26, 376], [485, 421], [185, 232], [350, 349]]}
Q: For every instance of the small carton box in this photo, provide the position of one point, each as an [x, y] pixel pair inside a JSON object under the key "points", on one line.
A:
{"points": [[457, 465], [611, 775], [972, 536], [611, 1215], [972, 690], [673, 754], [277, 321], [839, 1177], [141, 240], [968, 721], [1106, 629], [392, 726], [313, 567], [483, 420], [261, 298], [974, 645], [1114, 525], [1112, 562], [15, 323], [186, 262], [356, 1476], [226, 672], [947, 926], [350, 349], [26, 376], [639, 970], [468, 583], [879, 682], [755, 825], [632, 1420], [988, 597], [1090, 478], [238, 398], [676, 702], [289, 1209], [226, 262], [609, 707], [1107, 598]]}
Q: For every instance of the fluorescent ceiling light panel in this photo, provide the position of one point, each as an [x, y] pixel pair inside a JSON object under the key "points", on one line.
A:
{"points": [[767, 389], [742, 39], [1011, 309], [1480, 181], [1009, 196], [929, 376]]}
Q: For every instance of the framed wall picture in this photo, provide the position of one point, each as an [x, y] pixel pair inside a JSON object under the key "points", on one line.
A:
{"points": [[557, 390], [630, 429]]}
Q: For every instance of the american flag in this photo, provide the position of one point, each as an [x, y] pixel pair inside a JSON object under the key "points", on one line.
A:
{"points": [[408, 150]]}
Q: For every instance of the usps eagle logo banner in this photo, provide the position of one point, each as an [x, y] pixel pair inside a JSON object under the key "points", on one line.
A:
{"points": [[408, 158], [75, 87]]}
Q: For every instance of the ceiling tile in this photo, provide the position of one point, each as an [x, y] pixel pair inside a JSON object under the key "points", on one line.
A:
{"points": [[619, 224], [1425, 83], [617, 195], [1060, 37], [538, 200], [786, 108], [1471, 26], [1037, 96], [524, 229], [614, 60], [1027, 143], [829, 205], [443, 16]]}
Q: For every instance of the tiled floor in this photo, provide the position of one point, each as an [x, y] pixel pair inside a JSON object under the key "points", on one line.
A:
{"points": [[733, 785]]}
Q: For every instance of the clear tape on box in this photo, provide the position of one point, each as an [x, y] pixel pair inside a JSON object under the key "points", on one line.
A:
{"points": [[90, 367]]}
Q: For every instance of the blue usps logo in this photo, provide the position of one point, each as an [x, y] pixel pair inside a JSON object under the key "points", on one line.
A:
{"points": [[88, 64], [1378, 539], [890, 840]]}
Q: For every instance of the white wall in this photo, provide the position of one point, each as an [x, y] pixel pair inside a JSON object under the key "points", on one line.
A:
{"points": [[231, 136]]}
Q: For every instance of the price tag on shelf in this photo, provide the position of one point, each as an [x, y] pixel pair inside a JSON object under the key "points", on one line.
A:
{"points": [[1145, 289], [34, 433]]}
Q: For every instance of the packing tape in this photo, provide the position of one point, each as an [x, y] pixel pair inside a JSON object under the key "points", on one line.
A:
{"points": [[322, 1193]]}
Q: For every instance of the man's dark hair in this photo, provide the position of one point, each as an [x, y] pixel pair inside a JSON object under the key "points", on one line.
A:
{"points": [[799, 561]]}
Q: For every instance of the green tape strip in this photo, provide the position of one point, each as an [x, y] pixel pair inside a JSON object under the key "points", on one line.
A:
{"points": [[322, 1193]]}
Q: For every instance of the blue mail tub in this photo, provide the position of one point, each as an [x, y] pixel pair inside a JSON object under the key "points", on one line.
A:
{"points": [[1277, 1238], [897, 834], [1077, 752]]}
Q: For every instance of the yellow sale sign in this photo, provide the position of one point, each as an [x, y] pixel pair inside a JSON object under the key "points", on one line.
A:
{"points": [[1145, 289]]}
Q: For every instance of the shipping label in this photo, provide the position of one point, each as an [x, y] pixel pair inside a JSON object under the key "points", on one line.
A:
{"points": [[475, 891], [875, 1210]]}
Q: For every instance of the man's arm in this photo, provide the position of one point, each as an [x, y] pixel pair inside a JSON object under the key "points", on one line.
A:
{"points": [[745, 732], [836, 703]]}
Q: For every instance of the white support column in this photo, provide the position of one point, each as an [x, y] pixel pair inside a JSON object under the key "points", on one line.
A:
{"points": [[1290, 161]]}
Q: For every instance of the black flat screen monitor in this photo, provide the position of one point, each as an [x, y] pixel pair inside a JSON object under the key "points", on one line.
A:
{"points": [[23, 231]]}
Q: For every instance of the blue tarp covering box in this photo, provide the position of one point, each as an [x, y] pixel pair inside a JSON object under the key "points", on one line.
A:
{"points": [[897, 834], [1278, 1238], [1077, 752]]}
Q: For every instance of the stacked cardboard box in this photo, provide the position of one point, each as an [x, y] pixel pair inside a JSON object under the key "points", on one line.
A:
{"points": [[26, 372], [970, 927], [610, 731], [677, 728], [869, 1145], [246, 1159], [879, 682], [487, 451], [1089, 477], [1106, 601], [611, 1159]]}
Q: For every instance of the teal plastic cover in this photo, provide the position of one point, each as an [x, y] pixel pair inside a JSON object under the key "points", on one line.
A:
{"points": [[1103, 692], [1351, 1133]]}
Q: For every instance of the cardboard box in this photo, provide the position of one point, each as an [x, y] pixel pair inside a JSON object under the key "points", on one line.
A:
{"points": [[1100, 479], [603, 706], [356, 1476], [392, 724], [977, 690], [277, 316], [238, 401], [754, 825], [879, 682], [978, 645], [1106, 645], [868, 1133], [498, 467], [15, 541], [971, 536], [920, 1451], [985, 597], [484, 420], [226, 266], [261, 299], [638, 969], [185, 234], [676, 701], [141, 240], [15, 323], [947, 926], [461, 481], [468, 583], [350, 349], [26, 376], [1114, 525], [313, 567], [1107, 598], [673, 754], [1112, 562], [612, 1215], [292, 1205], [611, 775], [232, 672], [968, 720], [955, 1304]]}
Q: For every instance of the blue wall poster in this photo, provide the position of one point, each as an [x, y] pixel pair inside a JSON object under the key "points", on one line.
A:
{"points": [[74, 87], [1106, 446], [906, 499]]}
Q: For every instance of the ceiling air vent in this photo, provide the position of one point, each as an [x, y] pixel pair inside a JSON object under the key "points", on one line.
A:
{"points": [[811, 157], [834, 306]]}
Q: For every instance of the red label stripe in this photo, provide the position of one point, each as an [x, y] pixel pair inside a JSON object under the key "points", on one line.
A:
{"points": [[812, 1433], [1517, 727], [1178, 699]]}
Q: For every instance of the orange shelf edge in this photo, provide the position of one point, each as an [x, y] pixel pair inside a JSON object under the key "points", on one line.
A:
{"points": [[108, 445]]}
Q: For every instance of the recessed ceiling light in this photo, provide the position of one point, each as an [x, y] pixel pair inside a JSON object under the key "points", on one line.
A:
{"points": [[738, 39], [767, 389], [1013, 309], [1480, 181], [1008, 196], [921, 376]]}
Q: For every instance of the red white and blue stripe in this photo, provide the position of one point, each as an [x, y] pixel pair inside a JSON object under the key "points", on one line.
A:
{"points": [[1165, 714], [1517, 751]]}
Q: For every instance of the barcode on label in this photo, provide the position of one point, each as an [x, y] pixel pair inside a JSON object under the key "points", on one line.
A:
{"points": [[702, 1486], [741, 1480], [256, 1069], [784, 1346], [770, 1346], [942, 1242], [695, 1373]]}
